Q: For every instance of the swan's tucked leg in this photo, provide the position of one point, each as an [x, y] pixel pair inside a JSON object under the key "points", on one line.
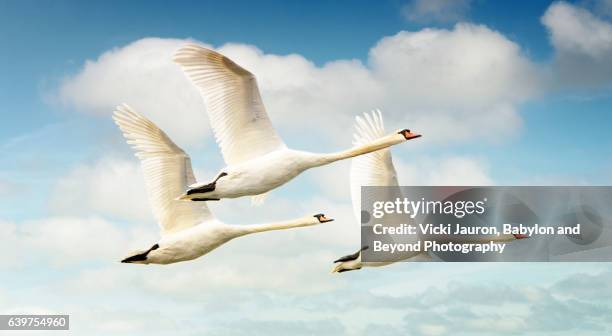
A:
{"points": [[142, 256], [197, 189], [201, 189]]}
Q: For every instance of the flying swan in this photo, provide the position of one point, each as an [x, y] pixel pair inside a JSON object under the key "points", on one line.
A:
{"points": [[188, 230], [257, 159], [377, 169]]}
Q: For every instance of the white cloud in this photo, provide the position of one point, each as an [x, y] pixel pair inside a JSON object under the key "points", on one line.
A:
{"points": [[7, 188], [109, 187], [10, 245], [454, 170], [450, 84], [442, 11], [583, 46], [141, 74], [332, 180], [576, 30], [454, 84], [70, 240], [460, 171], [432, 329], [67, 240]]}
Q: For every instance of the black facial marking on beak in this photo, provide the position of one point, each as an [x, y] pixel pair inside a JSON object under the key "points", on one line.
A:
{"points": [[408, 135]]}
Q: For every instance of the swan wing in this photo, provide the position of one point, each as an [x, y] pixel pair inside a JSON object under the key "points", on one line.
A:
{"points": [[235, 109], [167, 172], [372, 169]]}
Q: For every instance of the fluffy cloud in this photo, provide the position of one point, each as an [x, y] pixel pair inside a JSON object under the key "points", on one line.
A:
{"points": [[460, 306], [576, 30], [66, 241], [455, 170], [142, 75], [110, 187], [10, 245], [442, 11], [596, 287], [70, 240], [471, 309], [450, 84], [455, 84], [583, 46]]}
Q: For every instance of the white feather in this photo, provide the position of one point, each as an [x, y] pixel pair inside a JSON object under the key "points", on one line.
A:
{"points": [[372, 169], [167, 172], [237, 114]]}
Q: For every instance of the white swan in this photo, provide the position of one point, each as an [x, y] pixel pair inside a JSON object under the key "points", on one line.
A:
{"points": [[188, 230], [377, 169], [257, 159]]}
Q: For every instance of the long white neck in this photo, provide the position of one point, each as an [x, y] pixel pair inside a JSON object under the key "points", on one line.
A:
{"points": [[384, 142], [242, 230]]}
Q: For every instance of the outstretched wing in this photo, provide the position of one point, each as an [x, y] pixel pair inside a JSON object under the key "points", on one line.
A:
{"points": [[235, 109], [372, 169], [167, 171]]}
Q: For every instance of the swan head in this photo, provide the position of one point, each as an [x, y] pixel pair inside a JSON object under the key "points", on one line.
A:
{"points": [[351, 262], [322, 219], [408, 135]]}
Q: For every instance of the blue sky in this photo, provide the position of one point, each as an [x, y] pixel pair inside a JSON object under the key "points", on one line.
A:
{"points": [[515, 93]]}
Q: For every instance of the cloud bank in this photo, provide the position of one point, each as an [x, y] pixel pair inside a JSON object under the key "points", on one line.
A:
{"points": [[461, 83], [583, 46], [436, 11]]}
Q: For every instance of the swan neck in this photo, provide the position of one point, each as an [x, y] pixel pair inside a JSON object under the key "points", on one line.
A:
{"points": [[369, 147], [255, 228]]}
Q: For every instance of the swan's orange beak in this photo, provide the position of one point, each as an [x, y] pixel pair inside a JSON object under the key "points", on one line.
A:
{"points": [[409, 135], [520, 236], [323, 219]]}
